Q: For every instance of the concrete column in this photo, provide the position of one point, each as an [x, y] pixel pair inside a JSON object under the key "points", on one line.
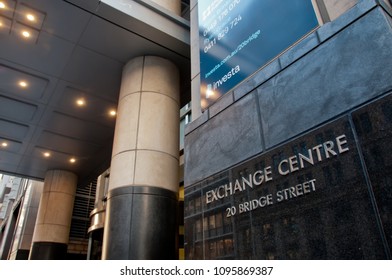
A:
{"points": [[141, 212], [54, 216], [171, 5]]}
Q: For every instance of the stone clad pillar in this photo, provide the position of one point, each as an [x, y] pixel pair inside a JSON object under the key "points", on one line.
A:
{"points": [[51, 233], [141, 211]]}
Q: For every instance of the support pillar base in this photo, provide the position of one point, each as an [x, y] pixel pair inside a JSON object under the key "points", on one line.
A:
{"points": [[48, 251], [141, 224]]}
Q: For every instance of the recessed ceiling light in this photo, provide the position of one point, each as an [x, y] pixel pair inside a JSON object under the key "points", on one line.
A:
{"points": [[46, 154], [72, 160], [26, 34], [112, 113], [30, 17], [23, 84], [4, 144], [81, 102], [2, 5]]}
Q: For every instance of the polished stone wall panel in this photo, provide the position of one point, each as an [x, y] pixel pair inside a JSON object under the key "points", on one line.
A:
{"points": [[308, 85], [337, 76], [233, 135], [139, 212], [335, 82], [337, 219], [373, 125]]}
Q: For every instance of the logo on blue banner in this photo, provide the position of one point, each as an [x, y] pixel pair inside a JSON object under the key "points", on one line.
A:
{"points": [[237, 37]]}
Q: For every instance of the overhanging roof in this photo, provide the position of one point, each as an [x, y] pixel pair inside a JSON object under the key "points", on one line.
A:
{"points": [[76, 50]]}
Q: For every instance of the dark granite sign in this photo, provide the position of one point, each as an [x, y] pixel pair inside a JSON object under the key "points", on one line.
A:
{"points": [[308, 199], [286, 166]]}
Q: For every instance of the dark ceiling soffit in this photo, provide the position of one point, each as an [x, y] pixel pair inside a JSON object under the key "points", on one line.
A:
{"points": [[165, 13], [179, 45]]}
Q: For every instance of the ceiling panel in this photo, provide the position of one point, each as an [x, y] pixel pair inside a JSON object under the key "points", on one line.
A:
{"points": [[9, 8], [13, 130], [9, 161], [95, 109], [49, 55], [11, 79], [31, 168], [37, 167], [67, 145], [79, 129], [94, 72], [35, 19], [62, 19], [11, 146], [5, 24], [122, 46], [16, 110], [42, 159]]}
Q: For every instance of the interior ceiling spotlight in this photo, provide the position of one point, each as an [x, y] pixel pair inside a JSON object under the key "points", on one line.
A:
{"points": [[23, 84], [30, 17], [26, 34], [81, 102]]}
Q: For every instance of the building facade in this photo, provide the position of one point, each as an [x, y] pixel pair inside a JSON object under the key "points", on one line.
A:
{"points": [[291, 161], [19, 204], [294, 162]]}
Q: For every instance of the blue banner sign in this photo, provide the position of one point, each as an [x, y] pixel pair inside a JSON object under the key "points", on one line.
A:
{"points": [[237, 37]]}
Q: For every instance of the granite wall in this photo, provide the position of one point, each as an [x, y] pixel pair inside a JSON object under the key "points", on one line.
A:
{"points": [[334, 82]]}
